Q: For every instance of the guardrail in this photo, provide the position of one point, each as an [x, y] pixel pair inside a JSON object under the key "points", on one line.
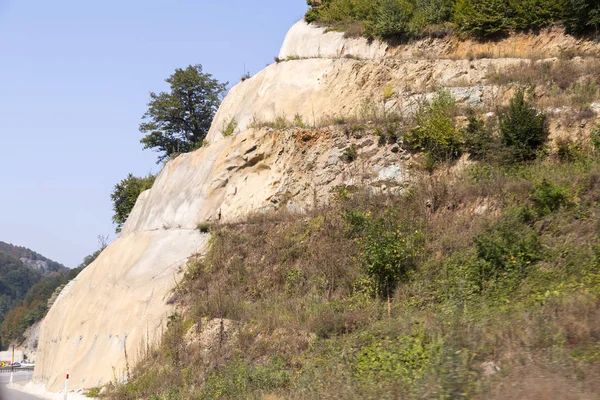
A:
{"points": [[7, 370]]}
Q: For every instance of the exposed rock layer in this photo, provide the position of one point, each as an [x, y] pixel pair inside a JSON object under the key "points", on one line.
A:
{"points": [[121, 298]]}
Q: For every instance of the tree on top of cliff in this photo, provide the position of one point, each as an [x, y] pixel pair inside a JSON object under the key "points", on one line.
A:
{"points": [[178, 121]]}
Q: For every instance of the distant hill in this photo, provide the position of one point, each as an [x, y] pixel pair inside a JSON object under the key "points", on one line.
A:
{"points": [[27, 281], [32, 259]]}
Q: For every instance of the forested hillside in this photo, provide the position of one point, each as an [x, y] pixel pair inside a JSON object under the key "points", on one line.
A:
{"points": [[31, 258], [27, 281]]}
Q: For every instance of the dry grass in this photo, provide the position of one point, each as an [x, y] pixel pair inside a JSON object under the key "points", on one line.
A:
{"points": [[295, 288]]}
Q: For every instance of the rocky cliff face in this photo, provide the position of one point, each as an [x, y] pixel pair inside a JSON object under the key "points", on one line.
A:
{"points": [[120, 302]]}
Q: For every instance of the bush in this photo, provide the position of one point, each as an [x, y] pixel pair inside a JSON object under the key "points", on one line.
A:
{"points": [[548, 197], [404, 359], [351, 153], [506, 253], [389, 250], [567, 150], [436, 133], [523, 129], [229, 127], [477, 137]]}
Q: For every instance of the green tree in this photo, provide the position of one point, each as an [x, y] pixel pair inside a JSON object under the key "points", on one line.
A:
{"points": [[126, 194], [536, 13], [483, 17], [522, 128], [178, 121], [582, 15], [393, 17], [477, 137]]}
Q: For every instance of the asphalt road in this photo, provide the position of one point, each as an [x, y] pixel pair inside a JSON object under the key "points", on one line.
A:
{"points": [[8, 394]]}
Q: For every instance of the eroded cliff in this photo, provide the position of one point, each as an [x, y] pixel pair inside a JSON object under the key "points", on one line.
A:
{"points": [[120, 302]]}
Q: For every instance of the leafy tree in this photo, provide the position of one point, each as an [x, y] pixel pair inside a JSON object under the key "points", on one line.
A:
{"points": [[483, 17], [178, 121], [393, 17], [126, 194], [582, 15], [522, 128], [536, 13], [431, 12]]}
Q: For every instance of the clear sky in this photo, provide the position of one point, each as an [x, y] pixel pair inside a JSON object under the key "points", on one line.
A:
{"points": [[74, 82]]}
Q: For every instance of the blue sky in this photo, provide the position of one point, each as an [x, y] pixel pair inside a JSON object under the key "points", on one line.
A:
{"points": [[74, 82]]}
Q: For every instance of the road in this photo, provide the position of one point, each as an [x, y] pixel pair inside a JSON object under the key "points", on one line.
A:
{"points": [[8, 394]]}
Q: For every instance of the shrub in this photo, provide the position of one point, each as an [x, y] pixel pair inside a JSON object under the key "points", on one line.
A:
{"points": [[506, 253], [389, 250], [351, 154], [237, 378], [523, 129], [229, 127], [477, 137], [567, 150], [548, 197], [596, 139], [299, 121], [430, 13], [484, 18], [436, 133], [404, 359]]}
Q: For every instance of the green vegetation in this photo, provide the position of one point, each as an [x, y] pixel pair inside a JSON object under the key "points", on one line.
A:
{"points": [[126, 194], [435, 132], [229, 127], [178, 121], [409, 296], [32, 257], [407, 19], [523, 128], [15, 281], [25, 293]]}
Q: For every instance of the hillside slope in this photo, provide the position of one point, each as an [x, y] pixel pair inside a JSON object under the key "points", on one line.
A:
{"points": [[32, 259], [329, 117]]}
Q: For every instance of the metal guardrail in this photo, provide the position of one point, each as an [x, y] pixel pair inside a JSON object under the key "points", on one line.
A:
{"points": [[7, 370]]}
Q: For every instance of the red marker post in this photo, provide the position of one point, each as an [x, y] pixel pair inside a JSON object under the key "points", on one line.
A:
{"points": [[66, 386]]}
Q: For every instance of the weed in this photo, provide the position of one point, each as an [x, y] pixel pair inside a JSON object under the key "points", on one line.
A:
{"points": [[229, 126], [299, 121], [351, 153]]}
